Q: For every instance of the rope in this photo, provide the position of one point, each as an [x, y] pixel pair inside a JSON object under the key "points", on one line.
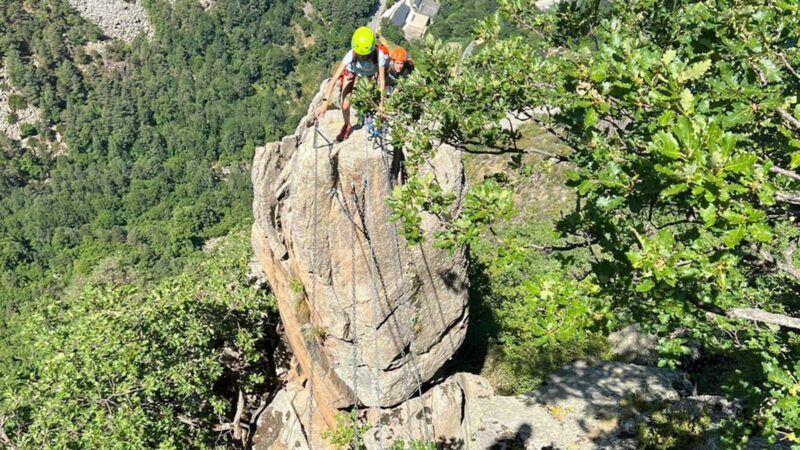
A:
{"points": [[373, 270], [314, 272], [409, 328], [401, 289], [373, 275], [355, 324]]}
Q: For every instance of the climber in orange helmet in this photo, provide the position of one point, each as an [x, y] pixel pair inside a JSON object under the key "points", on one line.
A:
{"points": [[401, 66], [365, 59]]}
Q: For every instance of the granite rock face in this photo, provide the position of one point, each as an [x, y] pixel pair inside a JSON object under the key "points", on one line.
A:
{"points": [[117, 18], [367, 316]]}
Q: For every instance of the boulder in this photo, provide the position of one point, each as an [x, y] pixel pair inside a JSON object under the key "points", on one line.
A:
{"points": [[580, 406], [584, 405], [367, 317], [280, 425], [291, 421], [631, 345]]}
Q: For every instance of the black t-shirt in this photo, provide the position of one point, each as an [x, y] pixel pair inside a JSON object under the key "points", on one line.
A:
{"points": [[392, 77]]}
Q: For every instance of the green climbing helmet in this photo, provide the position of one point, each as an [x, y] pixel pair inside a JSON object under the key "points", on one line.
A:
{"points": [[363, 42]]}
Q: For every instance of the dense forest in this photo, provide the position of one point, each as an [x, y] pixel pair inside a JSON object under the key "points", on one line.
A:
{"points": [[159, 136], [653, 183]]}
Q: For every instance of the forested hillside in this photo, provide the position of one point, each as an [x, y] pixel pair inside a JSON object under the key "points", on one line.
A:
{"points": [[158, 133], [631, 165], [158, 137]]}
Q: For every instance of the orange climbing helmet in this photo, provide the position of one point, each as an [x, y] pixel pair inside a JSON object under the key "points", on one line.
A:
{"points": [[399, 54]]}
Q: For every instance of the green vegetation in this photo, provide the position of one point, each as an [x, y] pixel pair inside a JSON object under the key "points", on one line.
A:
{"points": [[109, 337], [349, 432], [111, 366], [160, 134], [457, 20], [663, 426], [529, 320], [670, 429], [657, 186], [412, 445], [682, 122], [394, 33]]}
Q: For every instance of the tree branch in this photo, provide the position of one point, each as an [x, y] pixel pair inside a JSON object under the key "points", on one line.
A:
{"points": [[559, 248], [789, 118], [788, 66], [784, 172], [791, 198], [786, 265], [675, 222], [4, 439], [193, 423], [237, 428], [757, 315], [505, 150], [750, 314], [783, 113]]}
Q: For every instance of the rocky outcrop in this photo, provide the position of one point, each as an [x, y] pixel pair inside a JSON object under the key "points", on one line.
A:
{"points": [[117, 18], [580, 406], [30, 114], [291, 421], [366, 316], [630, 344]]}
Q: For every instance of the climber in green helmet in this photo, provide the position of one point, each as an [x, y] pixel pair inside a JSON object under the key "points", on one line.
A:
{"points": [[366, 59]]}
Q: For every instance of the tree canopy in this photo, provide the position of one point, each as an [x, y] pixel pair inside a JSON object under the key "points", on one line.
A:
{"points": [[682, 123]]}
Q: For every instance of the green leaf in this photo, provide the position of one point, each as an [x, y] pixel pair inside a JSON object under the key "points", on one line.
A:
{"points": [[695, 71], [795, 163], [686, 100], [674, 190], [742, 164], [665, 238], [709, 214], [732, 238], [666, 118], [667, 145], [668, 56], [780, 377], [635, 259], [761, 232], [609, 202], [645, 286], [770, 70], [741, 115], [590, 118]]}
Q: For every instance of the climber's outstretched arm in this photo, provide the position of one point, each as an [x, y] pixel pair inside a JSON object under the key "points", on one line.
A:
{"points": [[382, 84], [329, 90]]}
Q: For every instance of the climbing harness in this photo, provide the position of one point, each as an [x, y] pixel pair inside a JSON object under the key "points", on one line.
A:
{"points": [[369, 124]]}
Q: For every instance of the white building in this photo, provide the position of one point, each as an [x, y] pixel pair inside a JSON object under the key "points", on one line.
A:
{"points": [[413, 16]]}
